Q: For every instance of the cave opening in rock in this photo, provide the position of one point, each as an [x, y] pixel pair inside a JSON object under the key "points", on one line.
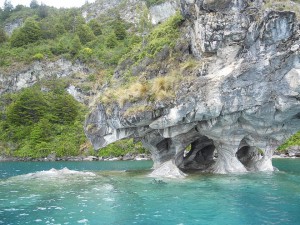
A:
{"points": [[198, 155], [248, 155], [243, 155]]}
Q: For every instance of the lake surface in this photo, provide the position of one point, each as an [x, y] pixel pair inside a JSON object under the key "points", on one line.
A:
{"points": [[121, 193]]}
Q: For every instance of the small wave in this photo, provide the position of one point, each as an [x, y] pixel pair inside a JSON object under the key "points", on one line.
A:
{"points": [[56, 173], [83, 221]]}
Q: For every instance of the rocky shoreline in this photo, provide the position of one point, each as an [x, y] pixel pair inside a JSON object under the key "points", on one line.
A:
{"points": [[52, 158], [290, 152], [127, 157]]}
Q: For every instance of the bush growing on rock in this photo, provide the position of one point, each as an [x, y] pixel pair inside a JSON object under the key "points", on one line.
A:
{"points": [[29, 33], [38, 56], [41, 122], [85, 34], [3, 36], [96, 27]]}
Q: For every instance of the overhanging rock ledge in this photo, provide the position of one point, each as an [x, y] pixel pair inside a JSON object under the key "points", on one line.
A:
{"points": [[242, 108]]}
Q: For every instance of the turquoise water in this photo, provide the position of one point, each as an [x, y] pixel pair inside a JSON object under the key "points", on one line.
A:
{"points": [[114, 193]]}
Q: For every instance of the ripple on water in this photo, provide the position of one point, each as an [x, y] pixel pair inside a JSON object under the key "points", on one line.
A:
{"points": [[125, 198]]}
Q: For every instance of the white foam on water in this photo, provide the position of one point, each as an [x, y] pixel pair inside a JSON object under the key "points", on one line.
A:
{"points": [[109, 199], [41, 208], [83, 221], [11, 210], [54, 173]]}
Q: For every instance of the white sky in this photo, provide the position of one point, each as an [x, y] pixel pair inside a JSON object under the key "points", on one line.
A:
{"points": [[55, 3]]}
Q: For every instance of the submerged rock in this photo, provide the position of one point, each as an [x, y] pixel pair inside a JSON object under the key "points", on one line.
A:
{"points": [[232, 117]]}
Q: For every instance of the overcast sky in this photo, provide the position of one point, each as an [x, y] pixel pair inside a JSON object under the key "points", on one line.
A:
{"points": [[55, 3]]}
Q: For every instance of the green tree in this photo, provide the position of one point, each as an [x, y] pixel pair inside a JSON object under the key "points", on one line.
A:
{"points": [[85, 33], [28, 108], [64, 109], [7, 9], [120, 29], [19, 8], [51, 28], [71, 20], [1, 15], [67, 44], [111, 40], [34, 4], [3, 37], [43, 11], [41, 131], [96, 27], [75, 45], [29, 33]]}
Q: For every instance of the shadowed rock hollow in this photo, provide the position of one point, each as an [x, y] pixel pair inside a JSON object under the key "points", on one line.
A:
{"points": [[236, 112]]}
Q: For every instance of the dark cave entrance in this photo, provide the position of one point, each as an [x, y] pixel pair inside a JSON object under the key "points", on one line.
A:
{"points": [[248, 155], [198, 155]]}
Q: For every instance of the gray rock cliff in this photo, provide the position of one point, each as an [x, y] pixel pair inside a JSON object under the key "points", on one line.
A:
{"points": [[13, 81], [130, 10], [235, 114]]}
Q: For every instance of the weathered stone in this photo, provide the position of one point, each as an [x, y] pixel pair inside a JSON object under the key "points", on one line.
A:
{"points": [[168, 170], [17, 80], [233, 118], [294, 151], [133, 11], [10, 27], [161, 12]]}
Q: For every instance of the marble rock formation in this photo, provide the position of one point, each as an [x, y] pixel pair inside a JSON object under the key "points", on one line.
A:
{"points": [[233, 116]]}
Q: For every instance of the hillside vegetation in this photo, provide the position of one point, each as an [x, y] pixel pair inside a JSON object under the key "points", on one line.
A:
{"points": [[127, 59], [34, 122]]}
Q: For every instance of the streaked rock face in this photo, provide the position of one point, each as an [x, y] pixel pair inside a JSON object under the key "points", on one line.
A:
{"points": [[161, 12], [16, 80], [233, 116]]}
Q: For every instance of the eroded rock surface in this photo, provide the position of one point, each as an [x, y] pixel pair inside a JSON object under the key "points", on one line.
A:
{"points": [[31, 74], [232, 117], [132, 10]]}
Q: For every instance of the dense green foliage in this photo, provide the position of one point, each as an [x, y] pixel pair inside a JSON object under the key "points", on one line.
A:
{"points": [[292, 141], [3, 36], [64, 33], [164, 35], [121, 148], [29, 33], [37, 123]]}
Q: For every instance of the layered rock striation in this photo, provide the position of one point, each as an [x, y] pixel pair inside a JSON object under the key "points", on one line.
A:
{"points": [[244, 103]]}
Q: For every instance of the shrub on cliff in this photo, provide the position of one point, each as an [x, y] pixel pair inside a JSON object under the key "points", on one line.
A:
{"points": [[292, 141], [164, 35], [119, 29], [29, 33], [41, 122], [85, 34], [96, 27], [28, 108], [3, 37]]}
